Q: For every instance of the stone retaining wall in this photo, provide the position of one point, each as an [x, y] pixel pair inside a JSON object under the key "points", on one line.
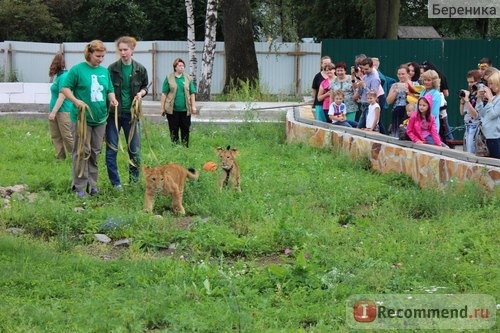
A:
{"points": [[427, 165]]}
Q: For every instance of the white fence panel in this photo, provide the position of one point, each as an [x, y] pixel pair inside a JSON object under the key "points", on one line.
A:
{"points": [[284, 68]]}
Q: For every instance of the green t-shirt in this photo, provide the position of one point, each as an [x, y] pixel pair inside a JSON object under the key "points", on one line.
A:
{"points": [[91, 85], [55, 89], [126, 100], [180, 96]]}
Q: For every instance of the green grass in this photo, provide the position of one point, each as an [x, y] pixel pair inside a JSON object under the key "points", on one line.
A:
{"points": [[254, 93], [350, 231]]}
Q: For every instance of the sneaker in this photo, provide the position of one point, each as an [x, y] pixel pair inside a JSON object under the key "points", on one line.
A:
{"points": [[94, 191], [119, 187]]}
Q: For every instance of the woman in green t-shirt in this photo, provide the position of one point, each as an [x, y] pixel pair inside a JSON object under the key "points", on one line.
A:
{"points": [[178, 102], [88, 85], [60, 107]]}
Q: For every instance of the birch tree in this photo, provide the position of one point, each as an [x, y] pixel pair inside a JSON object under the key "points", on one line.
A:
{"points": [[207, 65], [191, 40]]}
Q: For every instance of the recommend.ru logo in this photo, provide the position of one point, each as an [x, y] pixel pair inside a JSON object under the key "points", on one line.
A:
{"points": [[421, 311]]}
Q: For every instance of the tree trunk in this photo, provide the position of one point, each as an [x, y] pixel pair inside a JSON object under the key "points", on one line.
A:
{"points": [[191, 40], [203, 93], [393, 19], [241, 59], [387, 19], [381, 18]]}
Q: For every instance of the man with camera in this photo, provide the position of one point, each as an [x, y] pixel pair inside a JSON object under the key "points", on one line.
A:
{"points": [[468, 110], [370, 81]]}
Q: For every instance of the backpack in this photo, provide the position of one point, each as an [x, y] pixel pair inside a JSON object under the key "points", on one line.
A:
{"points": [[480, 142]]}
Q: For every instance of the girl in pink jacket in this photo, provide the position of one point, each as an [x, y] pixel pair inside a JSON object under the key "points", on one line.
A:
{"points": [[422, 125]]}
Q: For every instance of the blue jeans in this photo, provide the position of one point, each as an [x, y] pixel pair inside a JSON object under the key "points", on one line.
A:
{"points": [[469, 138], [112, 134], [429, 140], [347, 123], [362, 117]]}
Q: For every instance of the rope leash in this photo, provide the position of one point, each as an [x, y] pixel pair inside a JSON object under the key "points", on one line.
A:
{"points": [[81, 131], [137, 115]]}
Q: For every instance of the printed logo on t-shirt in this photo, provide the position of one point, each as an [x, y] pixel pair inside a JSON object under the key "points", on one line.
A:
{"points": [[96, 90]]}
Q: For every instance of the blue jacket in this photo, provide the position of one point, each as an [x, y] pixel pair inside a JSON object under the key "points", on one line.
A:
{"points": [[490, 117]]}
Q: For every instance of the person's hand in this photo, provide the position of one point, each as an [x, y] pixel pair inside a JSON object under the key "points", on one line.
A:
{"points": [[419, 142], [114, 102], [487, 92], [138, 96], [194, 110], [79, 103], [467, 94], [52, 115]]}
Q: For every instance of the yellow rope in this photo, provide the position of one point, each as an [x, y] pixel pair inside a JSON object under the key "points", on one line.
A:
{"points": [[137, 114], [118, 133], [81, 131]]}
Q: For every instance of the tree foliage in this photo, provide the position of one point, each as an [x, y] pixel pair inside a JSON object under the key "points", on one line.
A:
{"points": [[415, 13], [284, 20], [28, 20]]}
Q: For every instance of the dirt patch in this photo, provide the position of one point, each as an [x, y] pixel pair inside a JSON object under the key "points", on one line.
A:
{"points": [[103, 251], [273, 259]]}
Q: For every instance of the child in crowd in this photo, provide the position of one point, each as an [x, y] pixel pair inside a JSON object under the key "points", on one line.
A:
{"points": [[338, 110], [422, 124], [324, 89], [373, 115], [410, 108]]}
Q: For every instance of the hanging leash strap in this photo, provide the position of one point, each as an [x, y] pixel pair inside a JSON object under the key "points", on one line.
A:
{"points": [[117, 133], [81, 131], [136, 116]]}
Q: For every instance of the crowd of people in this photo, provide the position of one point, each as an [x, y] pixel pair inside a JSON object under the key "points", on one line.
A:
{"points": [[91, 104], [417, 101]]}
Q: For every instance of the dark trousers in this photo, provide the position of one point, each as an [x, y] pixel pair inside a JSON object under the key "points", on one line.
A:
{"points": [[493, 147], [398, 116], [179, 121]]}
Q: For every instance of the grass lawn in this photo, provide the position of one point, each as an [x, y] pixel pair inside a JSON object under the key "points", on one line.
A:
{"points": [[309, 229]]}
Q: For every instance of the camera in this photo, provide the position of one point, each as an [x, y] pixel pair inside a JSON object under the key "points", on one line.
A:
{"points": [[461, 93], [477, 86]]}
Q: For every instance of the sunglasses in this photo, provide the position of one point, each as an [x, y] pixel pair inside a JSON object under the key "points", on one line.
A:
{"points": [[482, 66]]}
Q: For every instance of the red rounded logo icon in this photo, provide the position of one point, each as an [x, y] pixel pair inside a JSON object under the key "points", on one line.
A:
{"points": [[365, 311]]}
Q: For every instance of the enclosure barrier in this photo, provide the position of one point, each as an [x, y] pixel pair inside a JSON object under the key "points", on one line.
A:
{"points": [[428, 165]]}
